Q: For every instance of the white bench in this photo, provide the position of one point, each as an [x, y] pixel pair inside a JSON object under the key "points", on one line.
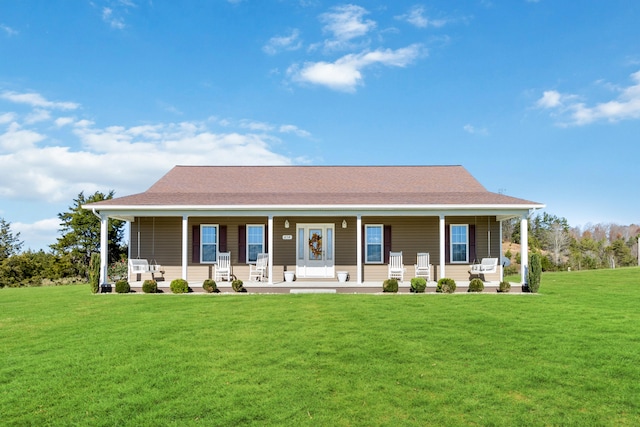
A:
{"points": [[140, 266], [487, 265]]}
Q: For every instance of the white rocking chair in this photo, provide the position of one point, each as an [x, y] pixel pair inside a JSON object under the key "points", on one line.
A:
{"points": [[396, 267], [258, 271], [423, 268], [223, 266]]}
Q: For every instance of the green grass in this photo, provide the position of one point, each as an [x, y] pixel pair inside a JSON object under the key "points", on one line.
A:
{"points": [[567, 356]]}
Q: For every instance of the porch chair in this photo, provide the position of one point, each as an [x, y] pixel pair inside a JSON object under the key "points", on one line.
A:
{"points": [[223, 266], [396, 267], [258, 272], [487, 265], [423, 268]]}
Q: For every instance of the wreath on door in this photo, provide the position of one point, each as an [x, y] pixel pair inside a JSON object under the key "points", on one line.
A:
{"points": [[315, 245]]}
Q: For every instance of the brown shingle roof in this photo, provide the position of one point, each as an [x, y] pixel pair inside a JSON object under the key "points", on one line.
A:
{"points": [[315, 185]]}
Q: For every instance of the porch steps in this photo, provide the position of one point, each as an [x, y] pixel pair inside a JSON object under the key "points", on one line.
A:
{"points": [[312, 291]]}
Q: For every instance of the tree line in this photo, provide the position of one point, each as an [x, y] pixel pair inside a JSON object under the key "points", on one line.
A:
{"points": [[67, 261], [561, 246]]}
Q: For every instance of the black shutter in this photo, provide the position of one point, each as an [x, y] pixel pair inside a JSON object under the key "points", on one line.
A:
{"points": [[447, 244], [472, 242], [362, 245], [266, 239], [242, 243], [195, 244], [387, 243], [223, 238]]}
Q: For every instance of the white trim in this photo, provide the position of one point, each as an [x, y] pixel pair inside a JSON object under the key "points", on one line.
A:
{"points": [[217, 243], [270, 250], [185, 246], [443, 245], [466, 260], [366, 244], [247, 241], [524, 249], [359, 238], [104, 249]]}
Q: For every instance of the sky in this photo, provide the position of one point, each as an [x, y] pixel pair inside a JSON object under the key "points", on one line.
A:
{"points": [[537, 99]]}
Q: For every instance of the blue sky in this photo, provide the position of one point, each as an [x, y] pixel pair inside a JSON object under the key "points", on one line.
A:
{"points": [[537, 99]]}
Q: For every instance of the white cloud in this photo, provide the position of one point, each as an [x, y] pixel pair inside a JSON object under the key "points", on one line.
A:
{"points": [[416, 16], [295, 130], [7, 117], [39, 234], [63, 121], [36, 167], [345, 74], [279, 43], [475, 131], [345, 23], [574, 112], [10, 31], [36, 100], [15, 138], [37, 115], [112, 19]]}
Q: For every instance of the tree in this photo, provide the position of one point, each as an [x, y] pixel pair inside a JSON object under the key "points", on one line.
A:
{"points": [[80, 230], [10, 243]]}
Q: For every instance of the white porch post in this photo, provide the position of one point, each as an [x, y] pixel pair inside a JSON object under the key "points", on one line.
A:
{"points": [[442, 247], [104, 248], [185, 240], [500, 257], [270, 250], [524, 249], [359, 248]]}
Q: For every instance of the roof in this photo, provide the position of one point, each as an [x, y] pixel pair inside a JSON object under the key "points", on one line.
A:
{"points": [[279, 186]]}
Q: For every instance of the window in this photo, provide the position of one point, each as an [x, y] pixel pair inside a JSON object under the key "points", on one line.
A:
{"points": [[373, 243], [460, 243], [255, 242], [208, 243]]}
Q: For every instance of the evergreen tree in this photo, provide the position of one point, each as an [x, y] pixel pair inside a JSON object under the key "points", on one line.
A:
{"points": [[80, 230], [10, 243]]}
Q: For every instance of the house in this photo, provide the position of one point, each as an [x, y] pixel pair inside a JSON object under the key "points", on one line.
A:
{"points": [[315, 221]]}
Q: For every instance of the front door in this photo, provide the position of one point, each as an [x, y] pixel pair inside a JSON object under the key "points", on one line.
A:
{"points": [[315, 250]]}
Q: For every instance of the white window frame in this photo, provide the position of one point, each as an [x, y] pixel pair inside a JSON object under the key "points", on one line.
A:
{"points": [[202, 243], [366, 243], [252, 244], [466, 243]]}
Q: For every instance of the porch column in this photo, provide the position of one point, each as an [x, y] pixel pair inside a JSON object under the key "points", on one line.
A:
{"points": [[104, 249], [185, 241], [524, 249], [359, 248], [270, 249], [500, 261], [442, 247]]}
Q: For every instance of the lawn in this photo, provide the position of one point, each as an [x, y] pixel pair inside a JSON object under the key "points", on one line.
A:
{"points": [[569, 355]]}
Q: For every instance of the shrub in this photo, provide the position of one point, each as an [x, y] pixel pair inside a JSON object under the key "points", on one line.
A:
{"points": [[535, 272], [209, 286], [179, 286], [511, 270], [150, 286], [122, 287], [446, 285], [118, 270], [94, 272], [390, 285], [237, 286], [418, 284], [476, 285], [504, 287]]}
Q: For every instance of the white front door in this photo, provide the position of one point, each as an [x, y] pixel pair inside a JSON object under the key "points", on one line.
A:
{"points": [[315, 250]]}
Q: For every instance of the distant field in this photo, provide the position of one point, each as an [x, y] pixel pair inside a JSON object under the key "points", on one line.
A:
{"points": [[567, 356]]}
